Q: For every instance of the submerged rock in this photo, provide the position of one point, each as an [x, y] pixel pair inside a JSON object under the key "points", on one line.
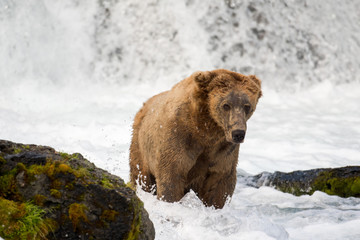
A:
{"points": [[343, 182], [46, 194]]}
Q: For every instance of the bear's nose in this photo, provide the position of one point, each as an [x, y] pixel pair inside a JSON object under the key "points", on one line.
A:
{"points": [[238, 135]]}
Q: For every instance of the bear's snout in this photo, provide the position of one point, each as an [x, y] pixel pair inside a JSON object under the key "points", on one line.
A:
{"points": [[238, 136]]}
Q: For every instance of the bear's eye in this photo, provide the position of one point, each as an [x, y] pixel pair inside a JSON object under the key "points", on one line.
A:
{"points": [[247, 108], [226, 107]]}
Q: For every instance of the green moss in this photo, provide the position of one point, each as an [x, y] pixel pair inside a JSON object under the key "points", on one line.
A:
{"points": [[58, 167], [109, 215], [81, 172], [7, 184], [32, 170], [49, 170], [105, 182], [340, 186], [20, 167], [56, 184], [21, 148], [39, 199], [136, 207], [23, 221], [131, 186], [8, 188], [69, 186], [77, 214], [67, 156], [64, 168], [61, 167], [2, 160], [55, 193], [294, 188], [17, 150], [355, 187]]}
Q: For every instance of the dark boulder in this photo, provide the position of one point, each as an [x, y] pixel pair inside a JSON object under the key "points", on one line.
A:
{"points": [[46, 194]]}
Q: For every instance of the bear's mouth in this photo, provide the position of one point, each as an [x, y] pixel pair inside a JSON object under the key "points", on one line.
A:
{"points": [[237, 141]]}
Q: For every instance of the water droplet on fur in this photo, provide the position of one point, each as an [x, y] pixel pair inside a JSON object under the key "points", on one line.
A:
{"points": [[160, 126]]}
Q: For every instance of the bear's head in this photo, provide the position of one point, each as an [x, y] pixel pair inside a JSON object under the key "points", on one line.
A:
{"points": [[231, 99]]}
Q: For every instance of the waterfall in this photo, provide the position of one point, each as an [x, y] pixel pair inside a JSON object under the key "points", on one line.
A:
{"points": [[288, 44]]}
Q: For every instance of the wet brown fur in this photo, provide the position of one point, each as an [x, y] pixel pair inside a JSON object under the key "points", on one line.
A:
{"points": [[182, 137]]}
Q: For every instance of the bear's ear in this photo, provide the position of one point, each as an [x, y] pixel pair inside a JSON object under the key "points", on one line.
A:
{"points": [[202, 79], [257, 82]]}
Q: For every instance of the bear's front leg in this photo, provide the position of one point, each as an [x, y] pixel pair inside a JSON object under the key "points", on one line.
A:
{"points": [[217, 188], [170, 188], [174, 162], [172, 174]]}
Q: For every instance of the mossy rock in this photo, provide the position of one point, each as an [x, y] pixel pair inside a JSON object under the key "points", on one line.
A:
{"points": [[342, 182], [73, 198]]}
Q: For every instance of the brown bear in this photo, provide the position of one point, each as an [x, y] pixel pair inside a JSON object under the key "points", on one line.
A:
{"points": [[189, 137]]}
